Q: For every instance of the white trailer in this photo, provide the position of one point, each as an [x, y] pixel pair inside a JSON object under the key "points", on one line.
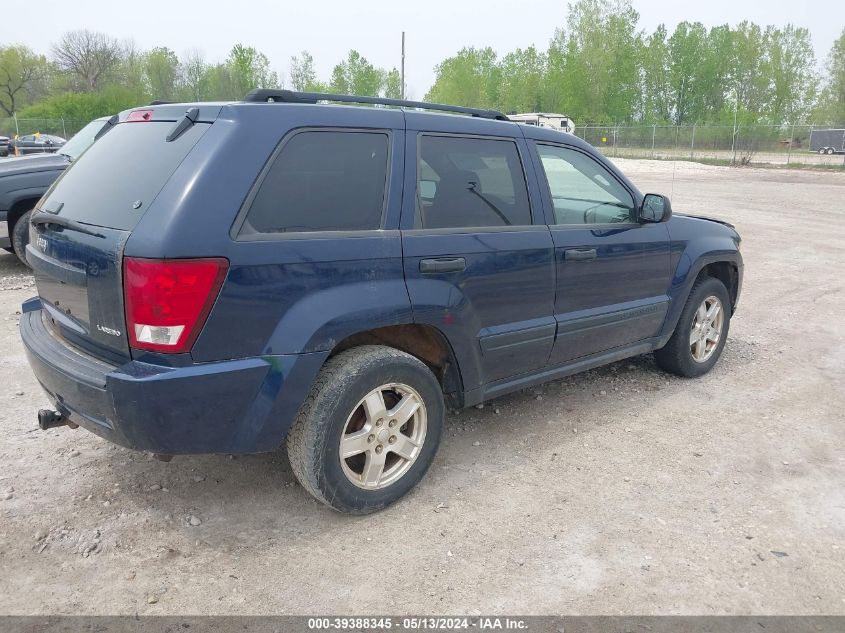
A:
{"points": [[545, 119]]}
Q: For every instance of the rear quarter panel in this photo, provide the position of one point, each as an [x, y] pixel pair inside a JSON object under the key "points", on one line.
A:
{"points": [[294, 293]]}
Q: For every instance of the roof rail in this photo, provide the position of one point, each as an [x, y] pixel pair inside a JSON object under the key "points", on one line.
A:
{"points": [[264, 95]]}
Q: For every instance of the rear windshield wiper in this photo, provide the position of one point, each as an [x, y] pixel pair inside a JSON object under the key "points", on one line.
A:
{"points": [[191, 116], [113, 120], [70, 225]]}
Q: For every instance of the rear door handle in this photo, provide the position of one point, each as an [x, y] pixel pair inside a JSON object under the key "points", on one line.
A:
{"points": [[579, 254], [443, 265]]}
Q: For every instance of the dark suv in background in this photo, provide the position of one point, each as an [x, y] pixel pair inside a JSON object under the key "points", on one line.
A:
{"points": [[24, 180], [204, 286]]}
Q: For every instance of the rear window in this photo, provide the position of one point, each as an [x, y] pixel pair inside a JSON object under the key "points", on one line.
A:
{"points": [[323, 180], [128, 165]]}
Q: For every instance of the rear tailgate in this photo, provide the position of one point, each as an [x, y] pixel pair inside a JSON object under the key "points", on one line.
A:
{"points": [[77, 259]]}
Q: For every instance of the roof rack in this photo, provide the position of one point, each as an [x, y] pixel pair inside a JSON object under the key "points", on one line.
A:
{"points": [[264, 95]]}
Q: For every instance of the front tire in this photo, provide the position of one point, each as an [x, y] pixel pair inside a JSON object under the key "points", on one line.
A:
{"points": [[369, 429], [701, 332], [20, 237]]}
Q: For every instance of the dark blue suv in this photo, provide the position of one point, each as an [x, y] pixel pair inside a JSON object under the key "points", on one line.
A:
{"points": [[220, 278]]}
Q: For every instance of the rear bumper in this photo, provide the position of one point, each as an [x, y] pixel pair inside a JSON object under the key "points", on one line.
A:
{"points": [[238, 406]]}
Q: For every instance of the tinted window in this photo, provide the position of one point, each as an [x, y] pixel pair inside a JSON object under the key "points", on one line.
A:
{"points": [[323, 181], [582, 190], [129, 164], [80, 141], [470, 182]]}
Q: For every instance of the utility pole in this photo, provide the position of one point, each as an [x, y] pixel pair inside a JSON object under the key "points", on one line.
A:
{"points": [[402, 72]]}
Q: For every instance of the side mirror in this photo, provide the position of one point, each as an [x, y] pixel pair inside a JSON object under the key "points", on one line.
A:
{"points": [[655, 208]]}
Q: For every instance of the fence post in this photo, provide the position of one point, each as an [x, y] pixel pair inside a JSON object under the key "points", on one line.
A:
{"points": [[692, 143], [791, 141], [64, 129], [653, 133], [615, 134], [17, 131], [733, 143]]}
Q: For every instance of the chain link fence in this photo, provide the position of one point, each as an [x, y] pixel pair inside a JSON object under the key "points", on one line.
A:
{"points": [[11, 126], [718, 144]]}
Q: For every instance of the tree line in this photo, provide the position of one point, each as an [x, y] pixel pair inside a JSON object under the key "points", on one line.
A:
{"points": [[598, 68], [90, 74]]}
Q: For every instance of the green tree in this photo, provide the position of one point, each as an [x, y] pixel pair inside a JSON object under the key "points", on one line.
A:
{"points": [[303, 76], [194, 77], [688, 46], [220, 84], [161, 68], [393, 84], [355, 75], [468, 79], [22, 72], [596, 61], [831, 107], [656, 98], [248, 69], [789, 66], [746, 83], [523, 73], [131, 73], [82, 107], [714, 71]]}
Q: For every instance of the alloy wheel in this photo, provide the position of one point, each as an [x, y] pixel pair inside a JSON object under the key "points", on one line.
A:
{"points": [[383, 436], [706, 331]]}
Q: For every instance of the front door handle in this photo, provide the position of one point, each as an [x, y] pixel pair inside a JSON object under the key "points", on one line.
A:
{"points": [[579, 254], [443, 265]]}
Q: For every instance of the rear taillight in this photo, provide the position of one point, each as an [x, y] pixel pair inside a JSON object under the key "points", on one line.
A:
{"points": [[168, 300]]}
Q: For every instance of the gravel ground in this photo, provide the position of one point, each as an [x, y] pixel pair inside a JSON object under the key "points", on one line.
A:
{"points": [[622, 490]]}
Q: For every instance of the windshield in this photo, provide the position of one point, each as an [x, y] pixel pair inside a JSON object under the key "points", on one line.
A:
{"points": [[80, 141]]}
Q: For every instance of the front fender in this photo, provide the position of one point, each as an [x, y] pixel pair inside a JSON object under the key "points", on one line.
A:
{"points": [[688, 258]]}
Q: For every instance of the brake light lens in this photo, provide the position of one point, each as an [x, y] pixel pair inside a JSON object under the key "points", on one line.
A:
{"points": [[168, 300], [139, 116]]}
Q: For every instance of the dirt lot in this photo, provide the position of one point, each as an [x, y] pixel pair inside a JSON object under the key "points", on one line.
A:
{"points": [[623, 490]]}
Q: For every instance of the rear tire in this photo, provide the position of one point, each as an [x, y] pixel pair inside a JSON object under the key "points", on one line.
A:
{"points": [[385, 409], [20, 237], [830, 151], [698, 339]]}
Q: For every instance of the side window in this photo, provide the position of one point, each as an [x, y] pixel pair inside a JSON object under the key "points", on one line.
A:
{"points": [[470, 182], [582, 190], [323, 181]]}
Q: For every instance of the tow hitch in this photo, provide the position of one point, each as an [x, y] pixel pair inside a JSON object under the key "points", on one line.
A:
{"points": [[49, 419]]}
